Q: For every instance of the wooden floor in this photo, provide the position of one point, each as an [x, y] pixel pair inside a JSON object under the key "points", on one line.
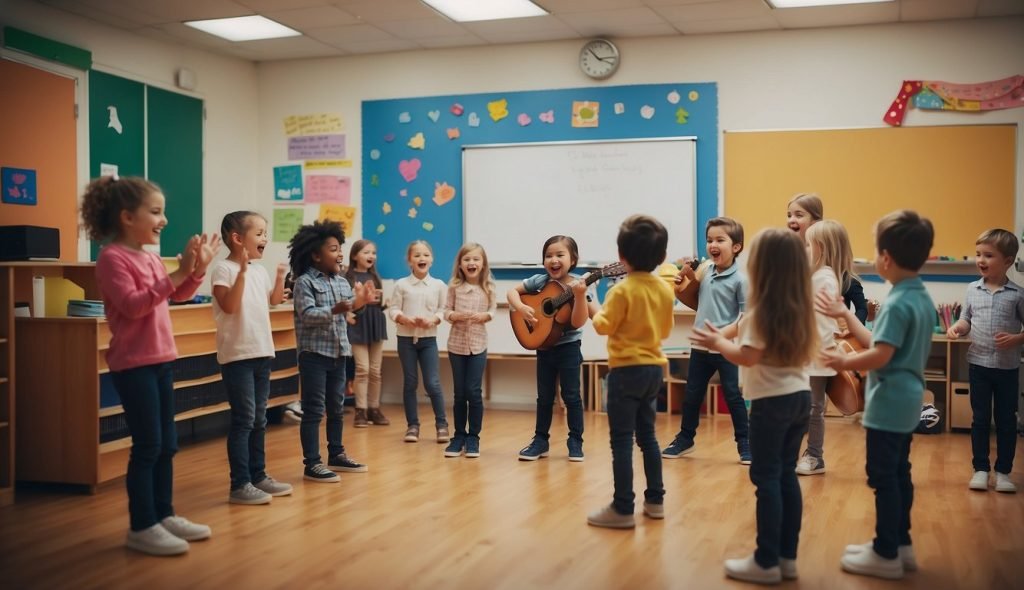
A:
{"points": [[419, 520]]}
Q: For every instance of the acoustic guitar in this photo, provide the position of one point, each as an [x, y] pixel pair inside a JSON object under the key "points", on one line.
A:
{"points": [[846, 388], [550, 310]]}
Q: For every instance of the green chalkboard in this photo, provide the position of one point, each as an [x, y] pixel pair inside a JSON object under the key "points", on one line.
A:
{"points": [[175, 155], [116, 126]]}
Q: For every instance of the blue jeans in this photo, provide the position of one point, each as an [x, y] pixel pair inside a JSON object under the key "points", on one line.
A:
{"points": [[323, 385], [888, 467], [703, 365], [147, 396], [248, 386], [996, 387], [631, 391], [559, 366], [777, 427], [468, 375], [422, 351]]}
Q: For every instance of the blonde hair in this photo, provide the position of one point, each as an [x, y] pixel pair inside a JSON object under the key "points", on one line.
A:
{"points": [[780, 284], [487, 279], [811, 203], [413, 244], [833, 250]]}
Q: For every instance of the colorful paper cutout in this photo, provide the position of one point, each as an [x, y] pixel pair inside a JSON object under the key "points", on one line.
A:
{"points": [[328, 188], [523, 119], [403, 193], [474, 120], [374, 180], [409, 169], [286, 223], [498, 109], [342, 213], [412, 213], [288, 183], [417, 142], [457, 109], [434, 115], [404, 117], [312, 147], [681, 115], [673, 97], [547, 117], [693, 96], [1006, 93], [417, 200], [113, 121], [585, 113], [386, 208], [19, 186], [454, 133], [647, 111], [443, 193], [320, 164], [428, 226], [381, 228], [619, 108], [374, 154], [389, 137], [318, 123]]}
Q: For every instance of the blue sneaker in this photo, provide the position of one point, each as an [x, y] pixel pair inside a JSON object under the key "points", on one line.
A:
{"points": [[455, 447], [743, 447], [680, 446], [472, 447], [537, 448], [575, 450]]}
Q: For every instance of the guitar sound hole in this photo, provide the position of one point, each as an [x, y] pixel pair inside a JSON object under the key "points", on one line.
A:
{"points": [[549, 308]]}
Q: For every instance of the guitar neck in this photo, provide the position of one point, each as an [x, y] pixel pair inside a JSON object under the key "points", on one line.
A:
{"points": [[567, 295]]}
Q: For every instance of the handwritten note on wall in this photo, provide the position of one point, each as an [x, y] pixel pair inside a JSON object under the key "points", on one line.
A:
{"points": [[309, 147], [346, 215], [287, 183], [312, 124], [328, 188], [287, 221]]}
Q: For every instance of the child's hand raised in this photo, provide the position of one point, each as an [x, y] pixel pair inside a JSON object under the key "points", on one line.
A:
{"points": [[243, 261], [708, 337], [686, 272], [206, 248], [187, 258], [828, 305]]}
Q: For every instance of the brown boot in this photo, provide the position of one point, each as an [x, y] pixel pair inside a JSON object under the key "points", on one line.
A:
{"points": [[376, 417], [360, 419]]}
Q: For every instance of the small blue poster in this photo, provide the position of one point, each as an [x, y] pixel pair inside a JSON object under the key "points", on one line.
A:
{"points": [[287, 183], [19, 186]]}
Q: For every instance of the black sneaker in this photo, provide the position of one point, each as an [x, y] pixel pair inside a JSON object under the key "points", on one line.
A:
{"points": [[537, 448], [455, 447], [320, 474], [743, 447], [472, 447], [575, 450], [343, 463], [678, 448]]}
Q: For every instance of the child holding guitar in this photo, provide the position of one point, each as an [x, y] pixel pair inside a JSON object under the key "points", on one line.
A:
{"points": [[559, 361]]}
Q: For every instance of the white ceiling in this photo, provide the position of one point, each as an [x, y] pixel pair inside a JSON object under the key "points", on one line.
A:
{"points": [[345, 27]]}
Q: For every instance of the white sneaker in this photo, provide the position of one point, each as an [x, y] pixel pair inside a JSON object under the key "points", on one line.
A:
{"points": [[1005, 484], [249, 495], [273, 487], [183, 528], [809, 465], [746, 569], [788, 568], [869, 563], [979, 481], [156, 540], [906, 554]]}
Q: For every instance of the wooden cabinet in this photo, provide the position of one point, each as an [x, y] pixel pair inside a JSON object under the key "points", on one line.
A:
{"points": [[6, 386]]}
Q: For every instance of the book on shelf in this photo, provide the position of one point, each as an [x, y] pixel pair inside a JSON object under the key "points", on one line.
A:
{"points": [[86, 308]]}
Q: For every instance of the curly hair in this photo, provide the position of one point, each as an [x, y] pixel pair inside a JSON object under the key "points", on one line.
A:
{"points": [[308, 240], [104, 200]]}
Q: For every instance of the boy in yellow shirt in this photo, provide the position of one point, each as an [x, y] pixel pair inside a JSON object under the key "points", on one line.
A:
{"points": [[636, 317]]}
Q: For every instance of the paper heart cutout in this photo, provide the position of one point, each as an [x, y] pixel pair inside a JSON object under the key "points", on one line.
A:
{"points": [[409, 169], [457, 109], [619, 108], [417, 142], [474, 120], [19, 178], [523, 119], [404, 117], [647, 111], [428, 226], [547, 117], [453, 133], [673, 97], [434, 115], [443, 193]]}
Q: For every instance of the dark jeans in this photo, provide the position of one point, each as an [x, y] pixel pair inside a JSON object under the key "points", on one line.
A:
{"points": [[559, 366], [422, 351], [248, 386], [323, 385], [630, 392], [468, 375], [996, 387], [777, 427], [703, 366], [147, 396], [888, 468]]}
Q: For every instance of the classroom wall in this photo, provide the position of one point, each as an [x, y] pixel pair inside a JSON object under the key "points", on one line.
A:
{"points": [[801, 79], [226, 85]]}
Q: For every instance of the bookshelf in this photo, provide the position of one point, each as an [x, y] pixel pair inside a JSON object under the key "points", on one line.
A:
{"points": [[6, 386]]}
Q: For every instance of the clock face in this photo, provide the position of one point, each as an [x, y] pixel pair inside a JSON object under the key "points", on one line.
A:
{"points": [[599, 58]]}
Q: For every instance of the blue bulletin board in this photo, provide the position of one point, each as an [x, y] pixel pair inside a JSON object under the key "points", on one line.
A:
{"points": [[412, 152]]}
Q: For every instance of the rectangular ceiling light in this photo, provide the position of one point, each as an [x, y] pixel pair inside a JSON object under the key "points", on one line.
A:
{"points": [[243, 28], [475, 10], [806, 3]]}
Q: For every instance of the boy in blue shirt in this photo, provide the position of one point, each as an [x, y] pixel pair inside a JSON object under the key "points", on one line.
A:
{"points": [[896, 356], [721, 297]]}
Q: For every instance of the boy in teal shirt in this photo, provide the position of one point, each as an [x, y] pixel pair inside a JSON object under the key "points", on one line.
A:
{"points": [[896, 358]]}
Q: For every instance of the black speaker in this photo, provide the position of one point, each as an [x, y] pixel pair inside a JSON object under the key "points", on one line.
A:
{"points": [[23, 242]]}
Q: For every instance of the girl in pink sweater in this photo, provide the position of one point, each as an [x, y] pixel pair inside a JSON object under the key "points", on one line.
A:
{"points": [[128, 213]]}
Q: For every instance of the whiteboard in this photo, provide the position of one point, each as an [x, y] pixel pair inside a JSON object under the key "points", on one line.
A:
{"points": [[516, 196]]}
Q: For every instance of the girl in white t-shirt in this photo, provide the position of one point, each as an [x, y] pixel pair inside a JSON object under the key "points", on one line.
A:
{"points": [[242, 295], [774, 349]]}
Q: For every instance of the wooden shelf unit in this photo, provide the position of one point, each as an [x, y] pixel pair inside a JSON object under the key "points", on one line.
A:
{"points": [[7, 372]]}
